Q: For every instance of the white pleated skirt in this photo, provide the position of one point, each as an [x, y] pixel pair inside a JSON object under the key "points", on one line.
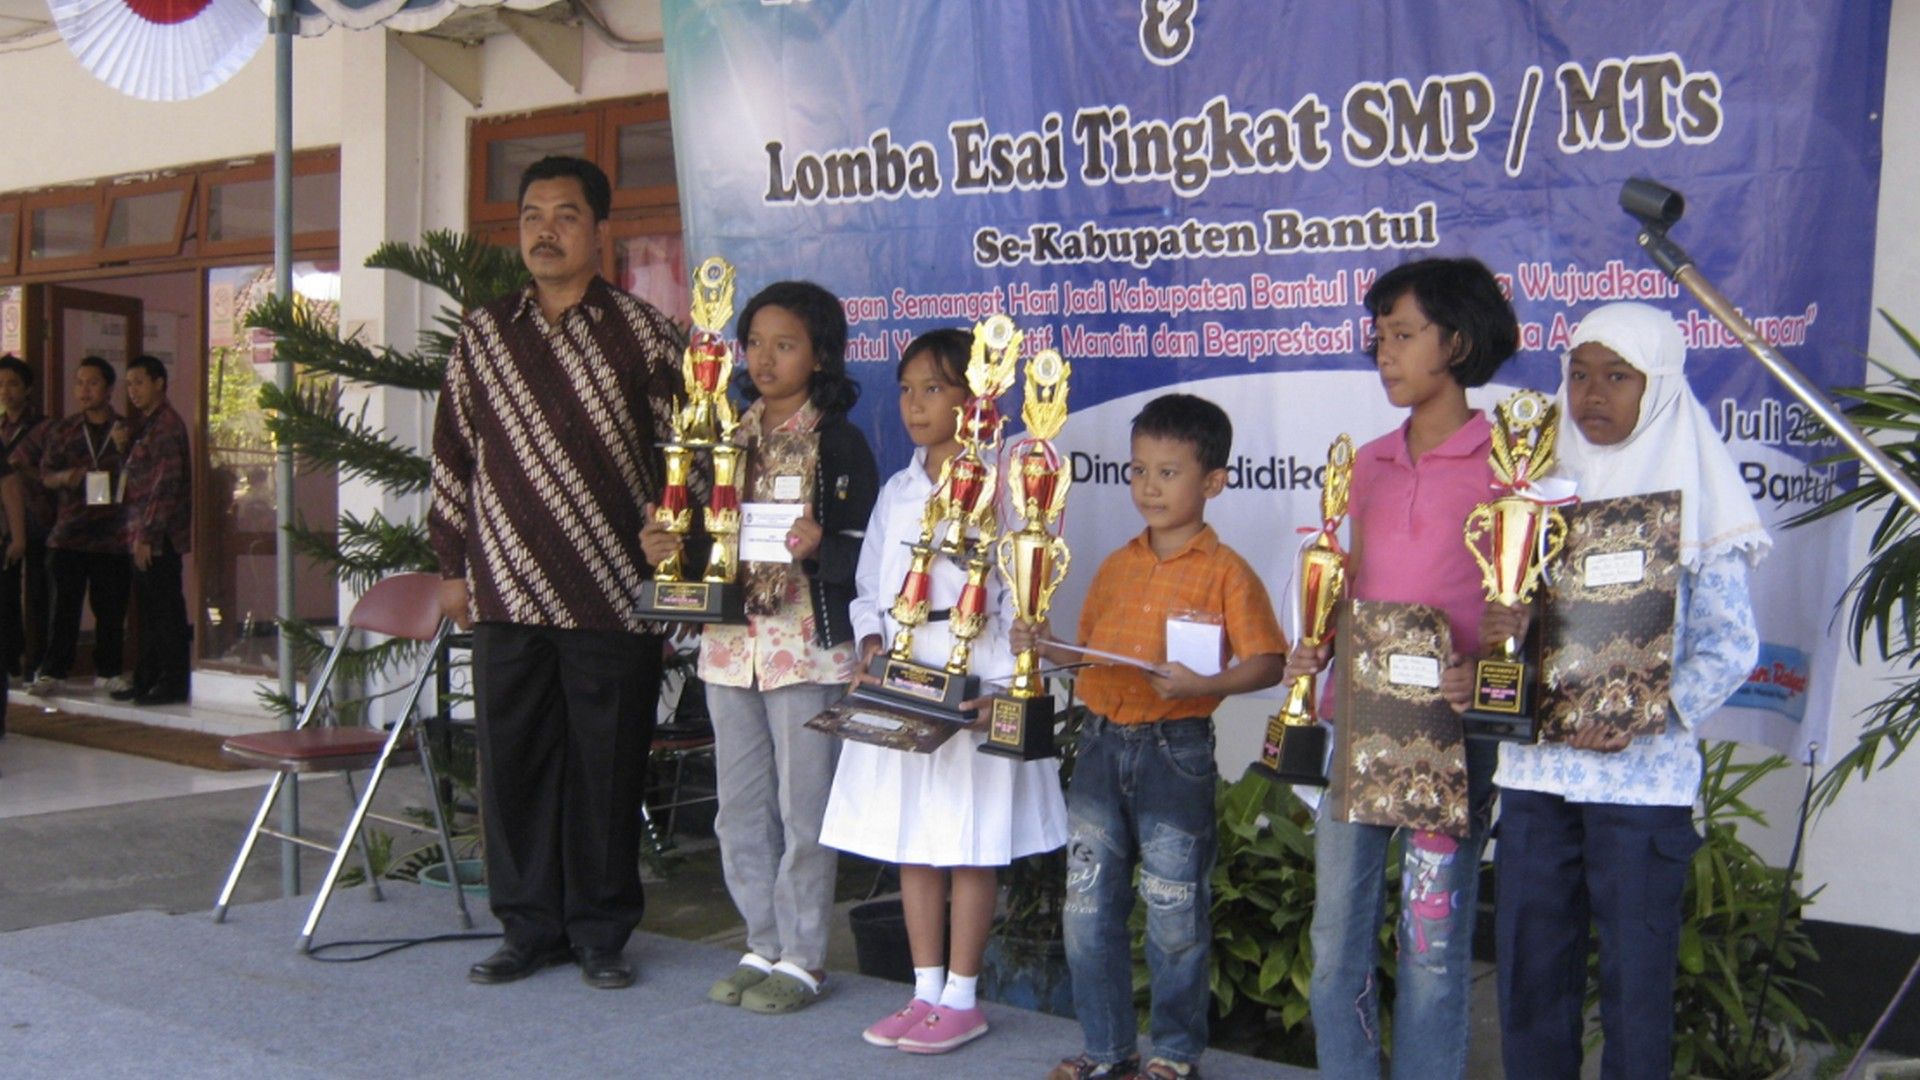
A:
{"points": [[953, 807]]}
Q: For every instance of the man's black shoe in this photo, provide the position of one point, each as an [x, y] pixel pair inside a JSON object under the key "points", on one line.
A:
{"points": [[604, 969], [511, 963]]}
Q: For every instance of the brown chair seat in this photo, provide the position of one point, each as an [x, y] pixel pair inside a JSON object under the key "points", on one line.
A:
{"points": [[312, 749]]}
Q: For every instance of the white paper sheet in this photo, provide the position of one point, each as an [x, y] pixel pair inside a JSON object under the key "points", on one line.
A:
{"points": [[763, 530], [1195, 644]]}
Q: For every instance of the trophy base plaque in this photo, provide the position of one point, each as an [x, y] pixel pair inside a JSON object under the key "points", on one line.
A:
{"points": [[1020, 728], [914, 707], [1293, 754], [1502, 705], [693, 601], [861, 723]]}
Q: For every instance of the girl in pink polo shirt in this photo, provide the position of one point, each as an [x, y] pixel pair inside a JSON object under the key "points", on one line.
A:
{"points": [[1441, 326]]}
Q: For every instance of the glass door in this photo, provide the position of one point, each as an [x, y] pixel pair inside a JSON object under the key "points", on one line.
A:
{"points": [[238, 532]]}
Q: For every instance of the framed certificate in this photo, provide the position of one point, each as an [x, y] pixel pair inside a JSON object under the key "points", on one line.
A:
{"points": [[1399, 756], [1606, 629]]}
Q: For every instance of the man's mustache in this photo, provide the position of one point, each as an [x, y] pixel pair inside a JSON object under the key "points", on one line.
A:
{"points": [[547, 249]]}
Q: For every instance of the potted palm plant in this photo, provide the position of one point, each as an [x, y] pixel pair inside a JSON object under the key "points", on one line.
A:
{"points": [[1737, 1007]]}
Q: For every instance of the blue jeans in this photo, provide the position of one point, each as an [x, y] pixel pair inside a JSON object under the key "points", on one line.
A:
{"points": [[1439, 891], [1562, 865], [1141, 793]]}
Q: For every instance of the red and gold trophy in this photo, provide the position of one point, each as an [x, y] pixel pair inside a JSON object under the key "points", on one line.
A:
{"points": [[959, 524], [1513, 538], [705, 422], [1033, 561], [1295, 748]]}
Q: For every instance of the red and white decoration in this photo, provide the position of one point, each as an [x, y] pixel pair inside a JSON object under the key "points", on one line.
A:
{"points": [[161, 50]]}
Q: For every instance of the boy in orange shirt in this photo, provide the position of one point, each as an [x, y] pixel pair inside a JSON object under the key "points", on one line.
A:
{"points": [[1144, 780]]}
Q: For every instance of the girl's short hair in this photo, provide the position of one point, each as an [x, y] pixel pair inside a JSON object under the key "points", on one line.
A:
{"points": [[949, 349], [830, 389], [1461, 297]]}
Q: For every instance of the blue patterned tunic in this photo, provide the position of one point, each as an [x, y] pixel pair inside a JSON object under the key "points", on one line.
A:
{"points": [[1717, 645]]}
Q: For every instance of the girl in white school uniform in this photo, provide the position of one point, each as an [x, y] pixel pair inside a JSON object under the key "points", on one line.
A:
{"points": [[948, 818]]}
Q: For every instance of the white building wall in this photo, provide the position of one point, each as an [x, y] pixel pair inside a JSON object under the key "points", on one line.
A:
{"points": [[63, 125]]}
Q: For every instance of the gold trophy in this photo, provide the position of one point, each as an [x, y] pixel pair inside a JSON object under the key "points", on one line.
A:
{"points": [[1513, 538], [959, 523], [1033, 561], [1295, 749], [705, 422]]}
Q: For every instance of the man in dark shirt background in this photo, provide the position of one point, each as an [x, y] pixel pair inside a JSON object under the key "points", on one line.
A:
{"points": [[159, 529], [544, 454]]}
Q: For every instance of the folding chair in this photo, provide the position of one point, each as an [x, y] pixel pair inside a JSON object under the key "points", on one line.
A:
{"points": [[404, 606], [685, 734]]}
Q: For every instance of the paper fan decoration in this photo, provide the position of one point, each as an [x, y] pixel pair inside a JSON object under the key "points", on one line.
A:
{"points": [[161, 50]]}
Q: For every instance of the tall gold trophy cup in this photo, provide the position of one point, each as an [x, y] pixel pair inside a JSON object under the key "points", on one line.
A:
{"points": [[705, 422], [1033, 561], [1295, 748], [959, 524], [1513, 538]]}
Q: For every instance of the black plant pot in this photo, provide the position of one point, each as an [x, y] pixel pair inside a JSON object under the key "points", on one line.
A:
{"points": [[880, 940], [1029, 974]]}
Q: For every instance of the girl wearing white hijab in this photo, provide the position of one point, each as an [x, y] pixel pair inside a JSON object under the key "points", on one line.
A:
{"points": [[1600, 828]]}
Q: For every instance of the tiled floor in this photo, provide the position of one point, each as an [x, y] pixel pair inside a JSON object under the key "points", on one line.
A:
{"points": [[38, 776]]}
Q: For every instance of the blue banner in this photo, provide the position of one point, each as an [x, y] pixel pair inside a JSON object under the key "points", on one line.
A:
{"points": [[1198, 192]]}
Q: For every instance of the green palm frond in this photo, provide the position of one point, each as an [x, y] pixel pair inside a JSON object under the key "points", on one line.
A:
{"points": [[1883, 600], [324, 436], [315, 345], [469, 270]]}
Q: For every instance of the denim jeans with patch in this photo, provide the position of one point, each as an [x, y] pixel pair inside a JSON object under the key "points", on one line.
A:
{"points": [[1439, 894], [1141, 794]]}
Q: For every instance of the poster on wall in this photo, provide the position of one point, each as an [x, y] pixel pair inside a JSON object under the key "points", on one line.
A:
{"points": [[1198, 195]]}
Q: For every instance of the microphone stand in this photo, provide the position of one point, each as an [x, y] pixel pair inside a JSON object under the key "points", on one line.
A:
{"points": [[1657, 208]]}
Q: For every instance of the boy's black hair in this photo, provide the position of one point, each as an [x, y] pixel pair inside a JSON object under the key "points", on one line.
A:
{"points": [[830, 389], [19, 367], [151, 365], [593, 182], [1192, 420], [949, 348], [1461, 297], [106, 369]]}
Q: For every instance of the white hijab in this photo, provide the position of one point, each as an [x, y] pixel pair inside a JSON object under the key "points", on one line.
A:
{"points": [[1674, 445]]}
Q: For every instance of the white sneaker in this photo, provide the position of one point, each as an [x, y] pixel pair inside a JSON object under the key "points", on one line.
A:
{"points": [[42, 685], [119, 684]]}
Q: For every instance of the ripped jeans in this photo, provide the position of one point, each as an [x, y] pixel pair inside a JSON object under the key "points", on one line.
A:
{"points": [[1439, 894], [1141, 794]]}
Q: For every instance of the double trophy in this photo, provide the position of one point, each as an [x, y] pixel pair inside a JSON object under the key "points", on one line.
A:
{"points": [[1295, 748], [706, 421], [917, 706], [1514, 538]]}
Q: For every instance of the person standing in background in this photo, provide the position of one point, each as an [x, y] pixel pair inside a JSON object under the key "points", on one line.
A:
{"points": [[159, 530], [87, 557], [23, 578]]}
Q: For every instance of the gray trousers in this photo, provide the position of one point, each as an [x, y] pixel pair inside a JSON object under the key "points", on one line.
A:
{"points": [[774, 775]]}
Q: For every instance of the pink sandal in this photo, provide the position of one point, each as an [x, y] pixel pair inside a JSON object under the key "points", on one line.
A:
{"points": [[887, 1032]]}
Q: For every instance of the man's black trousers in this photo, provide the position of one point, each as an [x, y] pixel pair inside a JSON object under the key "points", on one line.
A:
{"points": [[565, 721]]}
